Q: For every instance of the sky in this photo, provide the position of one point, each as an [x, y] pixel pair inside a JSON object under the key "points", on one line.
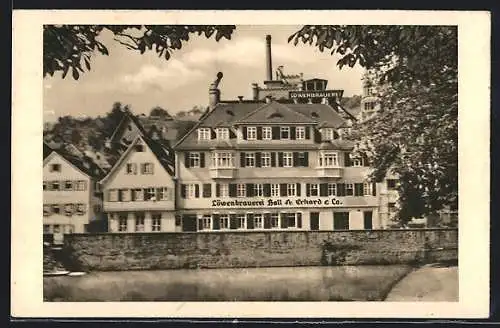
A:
{"points": [[145, 81]]}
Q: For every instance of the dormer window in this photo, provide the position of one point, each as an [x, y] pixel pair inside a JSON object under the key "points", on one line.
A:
{"points": [[369, 105], [357, 162], [251, 133], [275, 115], [204, 134], [139, 148], [285, 132], [328, 134], [314, 114], [222, 133]]}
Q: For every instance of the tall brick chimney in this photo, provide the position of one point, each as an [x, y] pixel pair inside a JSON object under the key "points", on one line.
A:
{"points": [[269, 64]]}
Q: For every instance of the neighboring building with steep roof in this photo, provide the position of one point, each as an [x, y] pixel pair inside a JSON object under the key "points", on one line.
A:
{"points": [[139, 190]]}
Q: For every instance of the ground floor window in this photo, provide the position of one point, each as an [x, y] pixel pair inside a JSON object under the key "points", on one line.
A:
{"points": [[122, 222], [240, 221], [258, 221], [156, 222], [205, 223], [224, 221], [139, 222], [341, 220], [274, 220]]}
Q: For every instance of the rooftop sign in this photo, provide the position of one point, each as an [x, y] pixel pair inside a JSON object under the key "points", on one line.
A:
{"points": [[317, 94]]}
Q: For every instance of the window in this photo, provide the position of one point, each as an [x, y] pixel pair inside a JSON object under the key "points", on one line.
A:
{"points": [[367, 188], [303, 159], [240, 190], [369, 105], [392, 184], [275, 220], [206, 222], [68, 209], [249, 159], [55, 168], [224, 221], [55, 185], [291, 189], [223, 190], [287, 159], [68, 185], [349, 189], [57, 228], [149, 194], [81, 185], [240, 221], [327, 134], [194, 159], [392, 207], [357, 162], [290, 220], [80, 209], [222, 133], [191, 191], [300, 133], [122, 222], [341, 220], [258, 221], [139, 148], [46, 210], [265, 159], [222, 160], [332, 189], [267, 133], [285, 132], [56, 209], [139, 222], [46, 228], [131, 168], [251, 133], [123, 195], [275, 190], [162, 193], [113, 195], [204, 134], [258, 190], [313, 189], [147, 168], [328, 159], [138, 194], [45, 185]]}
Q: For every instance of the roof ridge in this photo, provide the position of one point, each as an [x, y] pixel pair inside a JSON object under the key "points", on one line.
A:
{"points": [[252, 112]]}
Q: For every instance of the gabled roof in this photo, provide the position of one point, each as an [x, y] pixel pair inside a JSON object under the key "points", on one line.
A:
{"points": [[275, 112], [127, 116], [319, 113], [84, 165], [163, 155], [46, 150]]}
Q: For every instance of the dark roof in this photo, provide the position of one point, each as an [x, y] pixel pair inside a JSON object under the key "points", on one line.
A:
{"points": [[227, 113], [46, 150], [127, 116], [231, 144], [275, 112], [320, 113], [164, 155], [84, 164]]}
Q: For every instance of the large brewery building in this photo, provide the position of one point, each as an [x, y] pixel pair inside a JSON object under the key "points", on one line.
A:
{"points": [[278, 161]]}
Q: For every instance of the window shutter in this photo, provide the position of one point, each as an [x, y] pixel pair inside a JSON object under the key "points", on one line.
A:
{"points": [[323, 189], [259, 133], [245, 133], [249, 221], [200, 224], [358, 189], [134, 168], [273, 159], [257, 159], [308, 132], [197, 190], [340, 189], [295, 159], [186, 159], [280, 159], [213, 135], [232, 135], [299, 220], [207, 190], [276, 132], [183, 192], [308, 189], [283, 191], [292, 133], [202, 159], [374, 189], [317, 136], [267, 190], [232, 190], [305, 161], [284, 220], [242, 159], [216, 222], [217, 190], [249, 189], [298, 189], [267, 220], [347, 159], [232, 221]]}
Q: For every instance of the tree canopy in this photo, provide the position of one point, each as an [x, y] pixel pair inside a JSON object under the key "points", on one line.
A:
{"points": [[415, 133], [71, 47]]}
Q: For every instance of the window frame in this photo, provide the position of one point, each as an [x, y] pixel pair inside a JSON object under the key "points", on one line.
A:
{"points": [[204, 134], [224, 218], [331, 189], [258, 217], [300, 133], [287, 159], [328, 159], [122, 218], [316, 189], [241, 218], [291, 189], [349, 189], [241, 190], [131, 169], [191, 191], [275, 189], [206, 222], [139, 218], [250, 159], [53, 166], [265, 159], [285, 129], [223, 190], [258, 190], [267, 133], [274, 216], [145, 166], [251, 133], [223, 157], [194, 159], [222, 133]]}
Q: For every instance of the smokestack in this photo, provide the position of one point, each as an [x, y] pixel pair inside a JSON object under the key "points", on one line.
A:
{"points": [[255, 91], [214, 92], [269, 64]]}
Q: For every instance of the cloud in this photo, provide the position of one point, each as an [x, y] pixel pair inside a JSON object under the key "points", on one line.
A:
{"points": [[168, 75]]}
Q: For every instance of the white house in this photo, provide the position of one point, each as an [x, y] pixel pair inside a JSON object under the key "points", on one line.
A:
{"points": [[139, 190]]}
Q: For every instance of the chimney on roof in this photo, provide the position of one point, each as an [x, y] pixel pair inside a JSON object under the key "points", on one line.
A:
{"points": [[214, 92], [240, 98], [269, 65], [255, 91]]}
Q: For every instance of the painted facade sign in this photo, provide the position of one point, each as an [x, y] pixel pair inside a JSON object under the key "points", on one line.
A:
{"points": [[279, 202], [317, 94]]}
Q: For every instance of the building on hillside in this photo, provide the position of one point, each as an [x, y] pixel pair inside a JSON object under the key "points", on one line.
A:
{"points": [[254, 165], [71, 203], [370, 102], [139, 190]]}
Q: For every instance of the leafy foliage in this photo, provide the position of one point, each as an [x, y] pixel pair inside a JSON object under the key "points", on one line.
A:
{"points": [[70, 47], [414, 134]]}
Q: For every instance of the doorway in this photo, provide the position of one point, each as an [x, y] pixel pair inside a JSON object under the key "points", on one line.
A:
{"points": [[314, 219]]}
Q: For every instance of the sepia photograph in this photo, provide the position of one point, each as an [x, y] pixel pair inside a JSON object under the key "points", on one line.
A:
{"points": [[250, 162]]}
